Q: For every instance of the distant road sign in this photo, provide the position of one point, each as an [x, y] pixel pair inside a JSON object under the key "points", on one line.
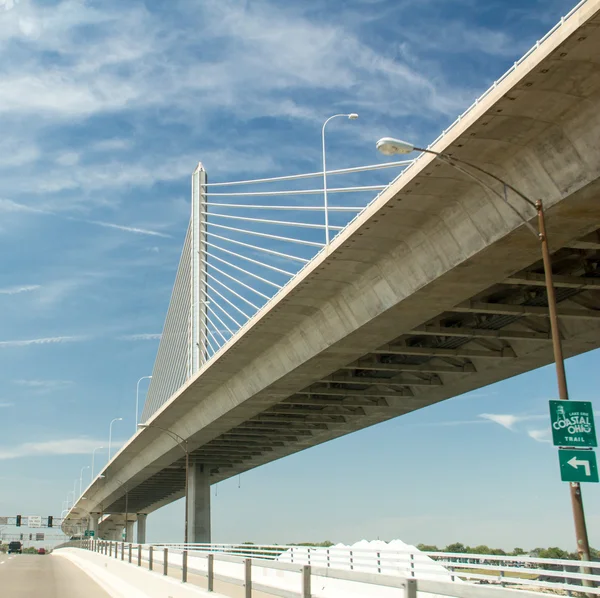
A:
{"points": [[577, 466], [39, 537], [572, 423], [34, 521]]}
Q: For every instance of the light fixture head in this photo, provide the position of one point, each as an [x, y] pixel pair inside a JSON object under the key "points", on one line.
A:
{"points": [[390, 146], [353, 116], [142, 426]]}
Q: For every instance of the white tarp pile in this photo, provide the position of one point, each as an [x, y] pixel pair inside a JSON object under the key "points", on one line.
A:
{"points": [[394, 558]]}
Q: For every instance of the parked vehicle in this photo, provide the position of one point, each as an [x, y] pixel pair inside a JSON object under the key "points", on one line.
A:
{"points": [[41, 551]]}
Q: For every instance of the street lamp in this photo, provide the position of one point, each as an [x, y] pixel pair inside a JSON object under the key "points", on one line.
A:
{"points": [[117, 419], [81, 479], [94, 458], [183, 444], [390, 146], [352, 116], [137, 399]]}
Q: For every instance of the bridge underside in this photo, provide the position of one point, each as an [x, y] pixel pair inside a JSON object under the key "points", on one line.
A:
{"points": [[498, 333]]}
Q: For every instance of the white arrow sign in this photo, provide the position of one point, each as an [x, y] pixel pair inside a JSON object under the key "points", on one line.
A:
{"points": [[575, 462]]}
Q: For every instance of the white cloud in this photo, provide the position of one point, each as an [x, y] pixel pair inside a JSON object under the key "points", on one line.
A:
{"points": [[507, 421], [44, 385], [68, 158], [141, 337], [129, 229], [7, 205], [43, 341], [542, 435], [266, 54], [6, 5], [12, 206], [450, 423], [18, 290], [111, 145], [67, 446]]}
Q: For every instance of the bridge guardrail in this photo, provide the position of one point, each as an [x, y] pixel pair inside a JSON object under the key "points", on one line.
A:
{"points": [[448, 574]]}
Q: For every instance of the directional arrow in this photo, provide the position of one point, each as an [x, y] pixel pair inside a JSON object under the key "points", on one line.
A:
{"points": [[575, 462]]}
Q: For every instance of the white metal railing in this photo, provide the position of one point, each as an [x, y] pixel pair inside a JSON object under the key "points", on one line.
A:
{"points": [[287, 571], [504, 570]]}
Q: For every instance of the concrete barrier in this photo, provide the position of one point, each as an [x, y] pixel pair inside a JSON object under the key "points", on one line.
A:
{"points": [[122, 580]]}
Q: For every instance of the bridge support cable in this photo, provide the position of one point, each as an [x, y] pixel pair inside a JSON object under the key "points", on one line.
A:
{"points": [[238, 255]]}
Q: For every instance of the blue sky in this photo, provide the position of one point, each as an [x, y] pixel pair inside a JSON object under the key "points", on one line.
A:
{"points": [[106, 107]]}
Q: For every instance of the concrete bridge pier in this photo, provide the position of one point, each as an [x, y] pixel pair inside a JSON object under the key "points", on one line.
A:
{"points": [[93, 522], [199, 504], [141, 528], [129, 530]]}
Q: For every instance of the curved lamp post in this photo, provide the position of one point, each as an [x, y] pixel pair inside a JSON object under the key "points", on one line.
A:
{"points": [[117, 419], [183, 444], [390, 146], [81, 479], [94, 458], [351, 116]]}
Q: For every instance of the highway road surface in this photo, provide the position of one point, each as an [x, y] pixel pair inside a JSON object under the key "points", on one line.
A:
{"points": [[36, 576]]}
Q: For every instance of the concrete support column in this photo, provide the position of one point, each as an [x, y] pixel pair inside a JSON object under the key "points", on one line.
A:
{"points": [[199, 504], [141, 528], [93, 522], [129, 531]]}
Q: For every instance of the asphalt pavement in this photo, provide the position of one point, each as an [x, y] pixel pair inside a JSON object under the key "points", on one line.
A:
{"points": [[45, 576]]}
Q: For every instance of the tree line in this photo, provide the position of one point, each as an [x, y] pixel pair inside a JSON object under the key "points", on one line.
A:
{"points": [[553, 552]]}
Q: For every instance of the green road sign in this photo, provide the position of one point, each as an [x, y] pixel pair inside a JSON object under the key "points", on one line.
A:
{"points": [[89, 533], [577, 466], [572, 423]]}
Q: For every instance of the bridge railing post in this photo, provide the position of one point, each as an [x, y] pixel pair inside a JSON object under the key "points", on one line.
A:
{"points": [[184, 566], [165, 561], [211, 572], [122, 551], [130, 551], [247, 578], [110, 549], [410, 589], [305, 593], [139, 555], [150, 555]]}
